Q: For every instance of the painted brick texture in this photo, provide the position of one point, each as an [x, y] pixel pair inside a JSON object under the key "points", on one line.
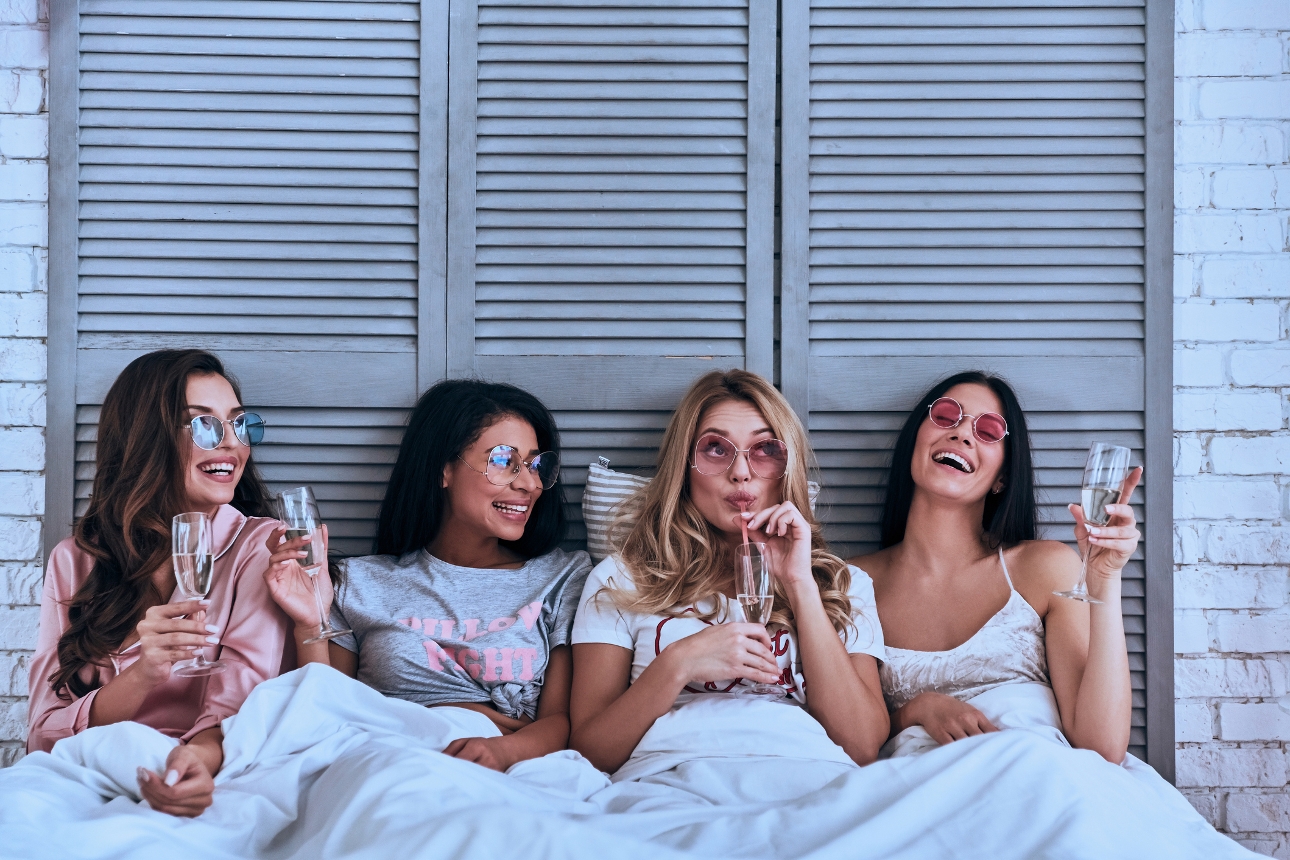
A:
{"points": [[1232, 442], [24, 194]]}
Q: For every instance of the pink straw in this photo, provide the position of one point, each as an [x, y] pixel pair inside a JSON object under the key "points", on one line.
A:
{"points": [[743, 523]]}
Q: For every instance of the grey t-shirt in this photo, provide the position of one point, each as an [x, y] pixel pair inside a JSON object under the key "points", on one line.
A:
{"points": [[432, 633]]}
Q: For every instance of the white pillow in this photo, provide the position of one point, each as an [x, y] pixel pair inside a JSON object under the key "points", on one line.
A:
{"points": [[606, 490]]}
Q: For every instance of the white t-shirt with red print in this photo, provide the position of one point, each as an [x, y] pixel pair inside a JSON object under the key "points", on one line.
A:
{"points": [[599, 620]]}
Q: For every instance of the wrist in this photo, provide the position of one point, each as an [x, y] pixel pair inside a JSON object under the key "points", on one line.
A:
{"points": [[305, 631], [146, 673], [671, 667]]}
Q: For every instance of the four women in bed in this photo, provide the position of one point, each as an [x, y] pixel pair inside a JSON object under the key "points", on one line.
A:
{"points": [[468, 602]]}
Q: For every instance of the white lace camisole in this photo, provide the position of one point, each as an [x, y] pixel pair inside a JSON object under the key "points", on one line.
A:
{"points": [[1009, 648]]}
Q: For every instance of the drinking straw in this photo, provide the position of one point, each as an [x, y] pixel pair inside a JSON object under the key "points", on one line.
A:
{"points": [[743, 523]]}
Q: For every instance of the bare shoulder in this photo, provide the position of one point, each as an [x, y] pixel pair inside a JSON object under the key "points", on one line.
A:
{"points": [[1042, 564], [875, 563]]}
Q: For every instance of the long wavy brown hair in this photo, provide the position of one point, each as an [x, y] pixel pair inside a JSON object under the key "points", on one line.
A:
{"points": [[676, 558], [140, 462]]}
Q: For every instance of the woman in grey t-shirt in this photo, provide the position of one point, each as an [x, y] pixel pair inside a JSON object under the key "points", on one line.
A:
{"points": [[467, 601]]}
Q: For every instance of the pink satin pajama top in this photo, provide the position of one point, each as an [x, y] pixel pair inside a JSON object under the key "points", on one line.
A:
{"points": [[253, 633]]}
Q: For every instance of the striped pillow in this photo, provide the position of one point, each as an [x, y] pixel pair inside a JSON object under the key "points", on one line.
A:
{"points": [[606, 490]]}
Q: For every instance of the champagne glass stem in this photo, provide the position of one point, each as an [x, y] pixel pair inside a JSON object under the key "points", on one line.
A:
{"points": [[318, 601]]}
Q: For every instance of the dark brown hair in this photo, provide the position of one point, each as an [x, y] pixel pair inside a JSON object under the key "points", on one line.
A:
{"points": [[138, 486]]}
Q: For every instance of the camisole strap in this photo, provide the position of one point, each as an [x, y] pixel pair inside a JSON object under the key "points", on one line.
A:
{"points": [[1005, 570]]}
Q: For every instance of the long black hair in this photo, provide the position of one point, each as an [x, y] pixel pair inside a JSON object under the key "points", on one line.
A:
{"points": [[1011, 516], [448, 419]]}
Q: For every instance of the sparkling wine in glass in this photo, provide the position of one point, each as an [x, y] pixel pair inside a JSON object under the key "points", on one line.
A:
{"points": [[1104, 474], [754, 589], [299, 511], [194, 562]]}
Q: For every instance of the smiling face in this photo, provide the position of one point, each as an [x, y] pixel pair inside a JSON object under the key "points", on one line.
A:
{"points": [[481, 507], [210, 477], [718, 497], [953, 464]]}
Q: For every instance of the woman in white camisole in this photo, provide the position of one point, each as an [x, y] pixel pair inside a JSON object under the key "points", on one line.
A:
{"points": [[965, 592]]}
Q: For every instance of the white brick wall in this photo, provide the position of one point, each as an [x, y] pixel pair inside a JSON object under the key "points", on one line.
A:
{"points": [[1232, 444], [1232, 372], [24, 192]]}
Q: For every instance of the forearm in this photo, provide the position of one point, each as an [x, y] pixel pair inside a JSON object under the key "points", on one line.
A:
{"points": [[1104, 705], [120, 699], [608, 739], [854, 718], [536, 739], [209, 747], [314, 652]]}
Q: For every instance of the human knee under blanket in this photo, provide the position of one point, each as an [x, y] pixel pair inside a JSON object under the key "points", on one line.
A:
{"points": [[318, 765]]}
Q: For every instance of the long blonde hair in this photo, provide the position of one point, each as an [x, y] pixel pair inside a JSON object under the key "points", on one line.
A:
{"points": [[676, 558]]}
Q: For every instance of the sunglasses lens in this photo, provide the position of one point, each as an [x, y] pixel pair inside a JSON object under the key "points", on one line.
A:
{"points": [[946, 413], [990, 427], [208, 432], [769, 459], [547, 468], [249, 428], [713, 454]]}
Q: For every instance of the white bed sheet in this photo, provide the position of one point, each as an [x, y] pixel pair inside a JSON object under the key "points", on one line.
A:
{"points": [[320, 766]]}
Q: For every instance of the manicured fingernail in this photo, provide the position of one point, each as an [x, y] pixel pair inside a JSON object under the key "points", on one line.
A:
{"points": [[211, 628], [746, 514], [214, 640], [142, 773], [172, 777], [1094, 530]]}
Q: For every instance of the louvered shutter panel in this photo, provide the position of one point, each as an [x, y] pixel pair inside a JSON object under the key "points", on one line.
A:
{"points": [[611, 170], [964, 189], [248, 184]]}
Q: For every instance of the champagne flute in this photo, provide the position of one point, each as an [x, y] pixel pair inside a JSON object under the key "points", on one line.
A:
{"points": [[194, 563], [1104, 474], [299, 510], [754, 589]]}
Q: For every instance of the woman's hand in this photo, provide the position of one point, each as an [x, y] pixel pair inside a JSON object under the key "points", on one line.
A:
{"points": [[723, 652], [186, 789], [1109, 547], [945, 718], [290, 584], [489, 752], [788, 540], [166, 638]]}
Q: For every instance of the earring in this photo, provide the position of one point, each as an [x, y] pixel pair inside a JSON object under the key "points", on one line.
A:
{"points": [[996, 490]]}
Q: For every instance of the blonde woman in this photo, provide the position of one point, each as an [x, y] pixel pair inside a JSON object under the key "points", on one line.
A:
{"points": [[658, 627]]}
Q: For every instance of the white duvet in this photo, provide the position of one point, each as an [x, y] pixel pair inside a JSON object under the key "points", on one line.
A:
{"points": [[320, 766]]}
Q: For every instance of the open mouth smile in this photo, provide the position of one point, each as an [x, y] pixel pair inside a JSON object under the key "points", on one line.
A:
{"points": [[949, 458], [511, 509]]}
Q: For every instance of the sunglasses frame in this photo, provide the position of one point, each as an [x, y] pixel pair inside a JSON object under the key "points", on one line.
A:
{"points": [[526, 464], [975, 418], [192, 428], [694, 464]]}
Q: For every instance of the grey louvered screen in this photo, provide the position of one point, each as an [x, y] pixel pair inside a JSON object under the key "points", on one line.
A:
{"points": [[611, 170], [248, 184], [964, 188]]}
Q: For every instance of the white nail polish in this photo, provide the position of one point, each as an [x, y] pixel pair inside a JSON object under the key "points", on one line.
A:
{"points": [[214, 640], [211, 628], [172, 777]]}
